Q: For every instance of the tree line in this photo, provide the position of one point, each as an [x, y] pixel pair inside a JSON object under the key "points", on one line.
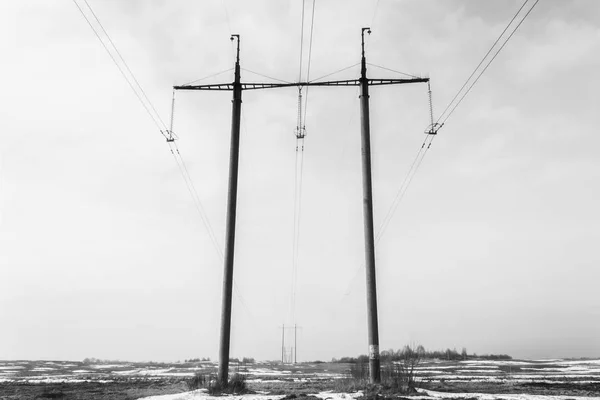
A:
{"points": [[422, 353]]}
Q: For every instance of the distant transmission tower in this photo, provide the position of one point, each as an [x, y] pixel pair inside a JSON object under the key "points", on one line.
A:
{"points": [[289, 354]]}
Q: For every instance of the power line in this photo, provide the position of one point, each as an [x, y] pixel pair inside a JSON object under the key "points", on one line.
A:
{"points": [[298, 168], [426, 145], [226, 16], [404, 186], [335, 72], [172, 145], [199, 204], [299, 154], [412, 171], [125, 64], [208, 76], [483, 59], [406, 181], [414, 167], [374, 13], [312, 25], [402, 189], [167, 133], [301, 43], [299, 163], [228, 27], [444, 119], [423, 150], [181, 164], [392, 70], [154, 119], [265, 76]]}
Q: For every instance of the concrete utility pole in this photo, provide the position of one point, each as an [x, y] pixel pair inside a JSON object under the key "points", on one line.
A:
{"points": [[237, 87], [234, 153], [365, 136]]}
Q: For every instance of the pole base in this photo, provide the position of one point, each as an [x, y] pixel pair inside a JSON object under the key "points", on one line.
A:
{"points": [[374, 370]]}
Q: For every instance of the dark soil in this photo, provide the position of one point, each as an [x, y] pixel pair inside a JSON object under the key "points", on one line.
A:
{"points": [[123, 390], [135, 389], [539, 388]]}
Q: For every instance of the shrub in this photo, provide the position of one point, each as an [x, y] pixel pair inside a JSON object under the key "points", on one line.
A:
{"points": [[51, 393], [360, 371], [399, 376], [237, 384], [199, 380]]}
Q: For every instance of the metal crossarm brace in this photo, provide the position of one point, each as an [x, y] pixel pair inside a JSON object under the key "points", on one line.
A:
{"points": [[259, 85]]}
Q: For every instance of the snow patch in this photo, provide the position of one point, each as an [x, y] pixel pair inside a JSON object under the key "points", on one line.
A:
{"points": [[338, 396], [484, 396], [107, 366], [201, 394]]}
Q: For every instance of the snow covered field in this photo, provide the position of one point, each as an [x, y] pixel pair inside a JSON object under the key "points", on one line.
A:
{"points": [[427, 395], [557, 377]]}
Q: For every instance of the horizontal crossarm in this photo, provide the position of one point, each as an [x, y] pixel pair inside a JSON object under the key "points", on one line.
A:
{"points": [[379, 82], [252, 86]]}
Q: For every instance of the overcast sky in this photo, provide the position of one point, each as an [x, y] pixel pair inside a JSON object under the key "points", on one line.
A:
{"points": [[495, 246]]}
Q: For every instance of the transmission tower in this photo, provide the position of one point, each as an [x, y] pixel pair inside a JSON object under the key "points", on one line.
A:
{"points": [[367, 198]]}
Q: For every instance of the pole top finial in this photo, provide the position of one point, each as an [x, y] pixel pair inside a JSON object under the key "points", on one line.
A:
{"points": [[238, 46], [362, 34], [363, 68]]}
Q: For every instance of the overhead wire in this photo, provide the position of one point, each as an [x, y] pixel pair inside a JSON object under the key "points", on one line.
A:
{"points": [[405, 183], [125, 64], [393, 70], [414, 167], [301, 42], [400, 193], [431, 137], [166, 132], [181, 164], [312, 25], [157, 121], [374, 13], [207, 77], [299, 162], [483, 59], [227, 20], [226, 15], [265, 76], [143, 97], [298, 174], [426, 145], [335, 72], [443, 118]]}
